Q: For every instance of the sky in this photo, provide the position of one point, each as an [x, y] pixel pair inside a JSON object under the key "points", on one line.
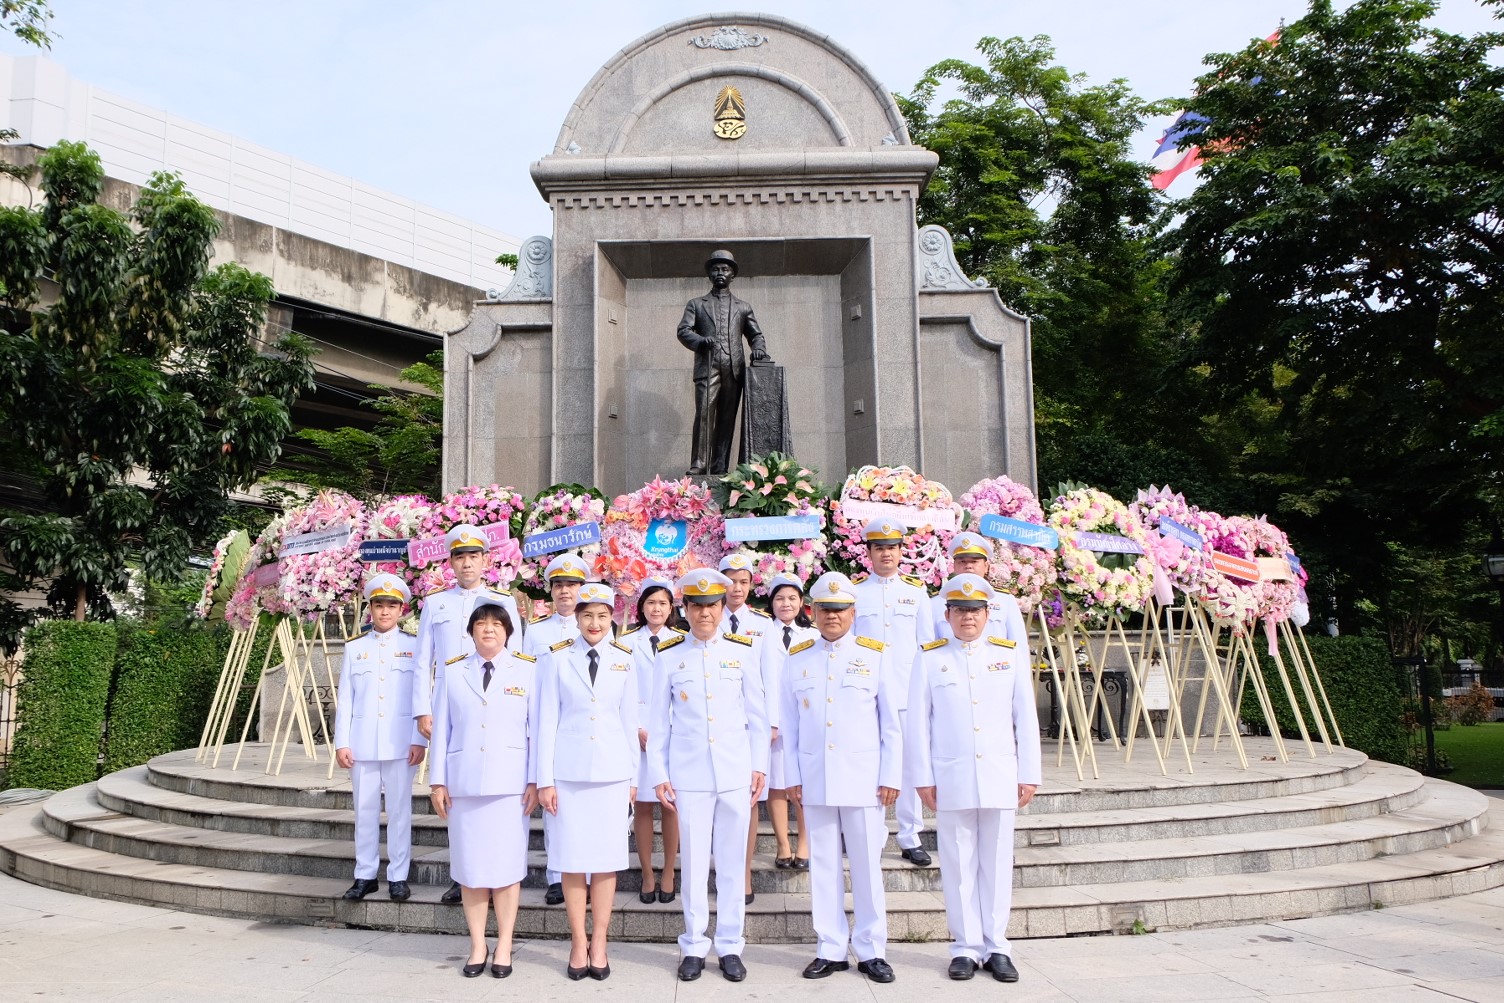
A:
{"points": [[449, 101]]}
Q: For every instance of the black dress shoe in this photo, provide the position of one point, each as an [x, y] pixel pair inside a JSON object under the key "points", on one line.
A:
{"points": [[554, 896], [690, 968], [820, 968], [471, 971], [359, 890], [732, 968], [600, 974], [648, 897], [801, 863], [399, 891], [500, 971], [750, 897], [576, 974], [961, 969], [783, 863], [918, 856], [1001, 967], [452, 896], [877, 970], [665, 897]]}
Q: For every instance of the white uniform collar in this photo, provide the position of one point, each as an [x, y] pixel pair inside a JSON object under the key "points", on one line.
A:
{"points": [[837, 643]]}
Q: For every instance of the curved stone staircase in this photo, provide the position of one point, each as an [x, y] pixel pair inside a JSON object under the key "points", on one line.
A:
{"points": [[1131, 851]]}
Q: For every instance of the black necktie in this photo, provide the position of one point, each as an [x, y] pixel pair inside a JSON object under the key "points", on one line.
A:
{"points": [[485, 680], [788, 632], [733, 624], [653, 640], [594, 659]]}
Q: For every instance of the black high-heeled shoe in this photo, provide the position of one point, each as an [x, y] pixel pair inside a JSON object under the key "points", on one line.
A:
{"points": [[576, 974], [499, 971], [471, 971], [600, 974]]}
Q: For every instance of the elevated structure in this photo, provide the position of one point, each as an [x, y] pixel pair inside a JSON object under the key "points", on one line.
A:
{"points": [[758, 135]]}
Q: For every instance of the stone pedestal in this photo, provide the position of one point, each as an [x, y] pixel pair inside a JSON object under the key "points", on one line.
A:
{"points": [[765, 413]]}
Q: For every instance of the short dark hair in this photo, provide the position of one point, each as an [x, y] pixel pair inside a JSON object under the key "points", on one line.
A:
{"points": [[490, 611]]}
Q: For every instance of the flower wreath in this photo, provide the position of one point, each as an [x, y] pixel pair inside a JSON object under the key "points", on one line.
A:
{"points": [[1096, 585], [1183, 567], [923, 547], [249, 599], [476, 506], [623, 563], [776, 485], [1273, 600], [1230, 601], [554, 508], [399, 518], [1022, 572], [225, 567], [312, 584]]}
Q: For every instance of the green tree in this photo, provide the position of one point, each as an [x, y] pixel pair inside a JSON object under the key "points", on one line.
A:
{"points": [[138, 394], [1341, 264], [1040, 188], [27, 20], [399, 456]]}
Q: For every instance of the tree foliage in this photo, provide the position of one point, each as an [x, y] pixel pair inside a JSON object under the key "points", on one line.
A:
{"points": [[27, 20], [138, 394]]}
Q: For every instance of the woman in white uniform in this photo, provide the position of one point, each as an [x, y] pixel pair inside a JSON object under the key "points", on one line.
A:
{"points": [[656, 622], [482, 774], [587, 770], [791, 626]]}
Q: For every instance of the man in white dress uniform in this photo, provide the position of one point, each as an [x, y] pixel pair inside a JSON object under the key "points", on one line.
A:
{"points": [[376, 739], [843, 760], [971, 554], [442, 638], [971, 749], [708, 759], [895, 609]]}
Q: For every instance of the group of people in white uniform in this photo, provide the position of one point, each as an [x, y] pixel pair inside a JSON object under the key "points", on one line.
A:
{"points": [[889, 698]]}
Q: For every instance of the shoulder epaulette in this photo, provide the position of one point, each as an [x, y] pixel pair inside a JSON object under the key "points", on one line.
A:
{"points": [[623, 647], [351, 637], [434, 592], [665, 645], [678, 630], [868, 642], [1001, 642], [540, 618], [561, 645], [942, 642], [860, 578], [524, 657], [738, 638], [456, 658], [758, 612], [499, 590], [806, 643], [408, 628], [631, 630], [918, 583]]}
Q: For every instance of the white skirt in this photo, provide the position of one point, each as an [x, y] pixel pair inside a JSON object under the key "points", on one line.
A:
{"points": [[775, 768], [644, 792], [487, 841], [590, 832]]}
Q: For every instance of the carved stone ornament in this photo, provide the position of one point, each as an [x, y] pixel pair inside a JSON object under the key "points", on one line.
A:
{"points": [[534, 278], [727, 38], [730, 114], [938, 268]]}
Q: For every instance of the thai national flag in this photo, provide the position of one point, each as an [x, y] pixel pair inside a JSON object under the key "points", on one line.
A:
{"points": [[1170, 162]]}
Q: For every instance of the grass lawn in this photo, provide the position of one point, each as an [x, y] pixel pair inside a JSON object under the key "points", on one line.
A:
{"points": [[1477, 752]]}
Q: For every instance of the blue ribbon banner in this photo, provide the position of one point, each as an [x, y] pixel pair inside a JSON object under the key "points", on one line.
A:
{"points": [[667, 539], [1294, 565], [1027, 534], [581, 534], [373, 551], [1175, 531], [772, 527], [1107, 543]]}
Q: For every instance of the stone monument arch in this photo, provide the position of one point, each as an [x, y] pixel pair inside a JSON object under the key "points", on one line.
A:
{"points": [[755, 135]]}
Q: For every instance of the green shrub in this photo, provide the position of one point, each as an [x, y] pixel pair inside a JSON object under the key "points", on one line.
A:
{"points": [[164, 682], [1360, 683], [1473, 707], [61, 704]]}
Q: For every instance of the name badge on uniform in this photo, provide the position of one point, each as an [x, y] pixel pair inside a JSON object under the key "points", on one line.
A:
{"points": [[858, 668], [620, 667], [906, 602], [404, 654], [515, 691], [997, 666], [733, 664]]}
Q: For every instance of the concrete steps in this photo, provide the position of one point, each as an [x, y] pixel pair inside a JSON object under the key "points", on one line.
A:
{"points": [[1283, 840]]}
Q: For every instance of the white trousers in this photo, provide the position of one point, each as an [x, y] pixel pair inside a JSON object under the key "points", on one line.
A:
{"points": [[367, 778], [554, 877], [865, 831], [976, 871], [908, 809], [714, 824]]}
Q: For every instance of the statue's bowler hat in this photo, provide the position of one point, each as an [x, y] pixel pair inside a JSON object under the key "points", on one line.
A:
{"points": [[722, 256]]}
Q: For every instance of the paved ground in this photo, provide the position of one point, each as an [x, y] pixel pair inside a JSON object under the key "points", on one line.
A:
{"points": [[55, 945]]}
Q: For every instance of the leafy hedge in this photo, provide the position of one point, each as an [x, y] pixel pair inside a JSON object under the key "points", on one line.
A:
{"points": [[61, 704], [164, 683], [1360, 683]]}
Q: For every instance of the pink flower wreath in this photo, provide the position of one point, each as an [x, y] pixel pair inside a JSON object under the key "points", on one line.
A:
{"points": [[623, 563]]}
